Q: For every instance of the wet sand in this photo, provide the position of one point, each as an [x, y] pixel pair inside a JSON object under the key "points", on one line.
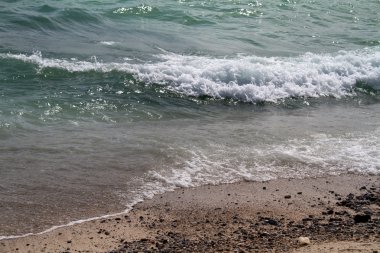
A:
{"points": [[337, 214]]}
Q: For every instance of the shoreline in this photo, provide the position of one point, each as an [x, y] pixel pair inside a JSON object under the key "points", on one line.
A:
{"points": [[249, 216]]}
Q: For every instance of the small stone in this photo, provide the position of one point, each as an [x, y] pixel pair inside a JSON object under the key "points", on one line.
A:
{"points": [[287, 196], [272, 222], [362, 218], [303, 241]]}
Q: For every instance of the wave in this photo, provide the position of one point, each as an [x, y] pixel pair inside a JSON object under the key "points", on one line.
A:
{"points": [[320, 155], [242, 78]]}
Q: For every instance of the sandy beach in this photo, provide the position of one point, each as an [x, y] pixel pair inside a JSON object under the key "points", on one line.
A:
{"points": [[337, 214]]}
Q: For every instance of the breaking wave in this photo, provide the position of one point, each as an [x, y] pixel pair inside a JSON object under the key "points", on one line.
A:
{"points": [[242, 78]]}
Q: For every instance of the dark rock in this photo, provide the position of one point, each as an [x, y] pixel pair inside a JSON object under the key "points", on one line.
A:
{"points": [[335, 219], [263, 234], [362, 218], [287, 196], [272, 222]]}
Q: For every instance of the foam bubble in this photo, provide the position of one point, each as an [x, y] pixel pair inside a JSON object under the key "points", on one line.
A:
{"points": [[108, 43], [318, 155], [243, 78]]}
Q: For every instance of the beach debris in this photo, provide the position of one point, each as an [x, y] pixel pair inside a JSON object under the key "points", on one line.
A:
{"points": [[303, 241]]}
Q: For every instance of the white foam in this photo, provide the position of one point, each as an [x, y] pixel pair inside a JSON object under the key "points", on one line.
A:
{"points": [[319, 155], [108, 43], [143, 191], [244, 78], [62, 226], [149, 192]]}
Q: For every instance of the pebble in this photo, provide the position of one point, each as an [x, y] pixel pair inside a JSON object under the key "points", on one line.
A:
{"points": [[303, 241], [362, 218]]}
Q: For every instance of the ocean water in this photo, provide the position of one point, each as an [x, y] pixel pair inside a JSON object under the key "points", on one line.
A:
{"points": [[106, 103]]}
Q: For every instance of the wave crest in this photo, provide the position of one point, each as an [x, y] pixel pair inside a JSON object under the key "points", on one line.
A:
{"points": [[243, 78]]}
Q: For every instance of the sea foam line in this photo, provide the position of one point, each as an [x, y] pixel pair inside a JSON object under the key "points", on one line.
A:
{"points": [[149, 191], [62, 226], [243, 78]]}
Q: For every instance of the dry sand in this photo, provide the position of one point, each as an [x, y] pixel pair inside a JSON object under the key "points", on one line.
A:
{"points": [[337, 213]]}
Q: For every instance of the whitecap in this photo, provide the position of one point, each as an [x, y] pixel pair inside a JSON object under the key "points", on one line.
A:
{"points": [[242, 78]]}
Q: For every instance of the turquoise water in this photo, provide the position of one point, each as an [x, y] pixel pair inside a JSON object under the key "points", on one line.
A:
{"points": [[106, 103]]}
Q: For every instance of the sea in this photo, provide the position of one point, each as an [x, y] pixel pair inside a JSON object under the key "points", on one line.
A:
{"points": [[106, 103]]}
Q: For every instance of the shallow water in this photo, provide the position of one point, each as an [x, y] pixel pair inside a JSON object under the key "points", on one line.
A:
{"points": [[105, 103]]}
